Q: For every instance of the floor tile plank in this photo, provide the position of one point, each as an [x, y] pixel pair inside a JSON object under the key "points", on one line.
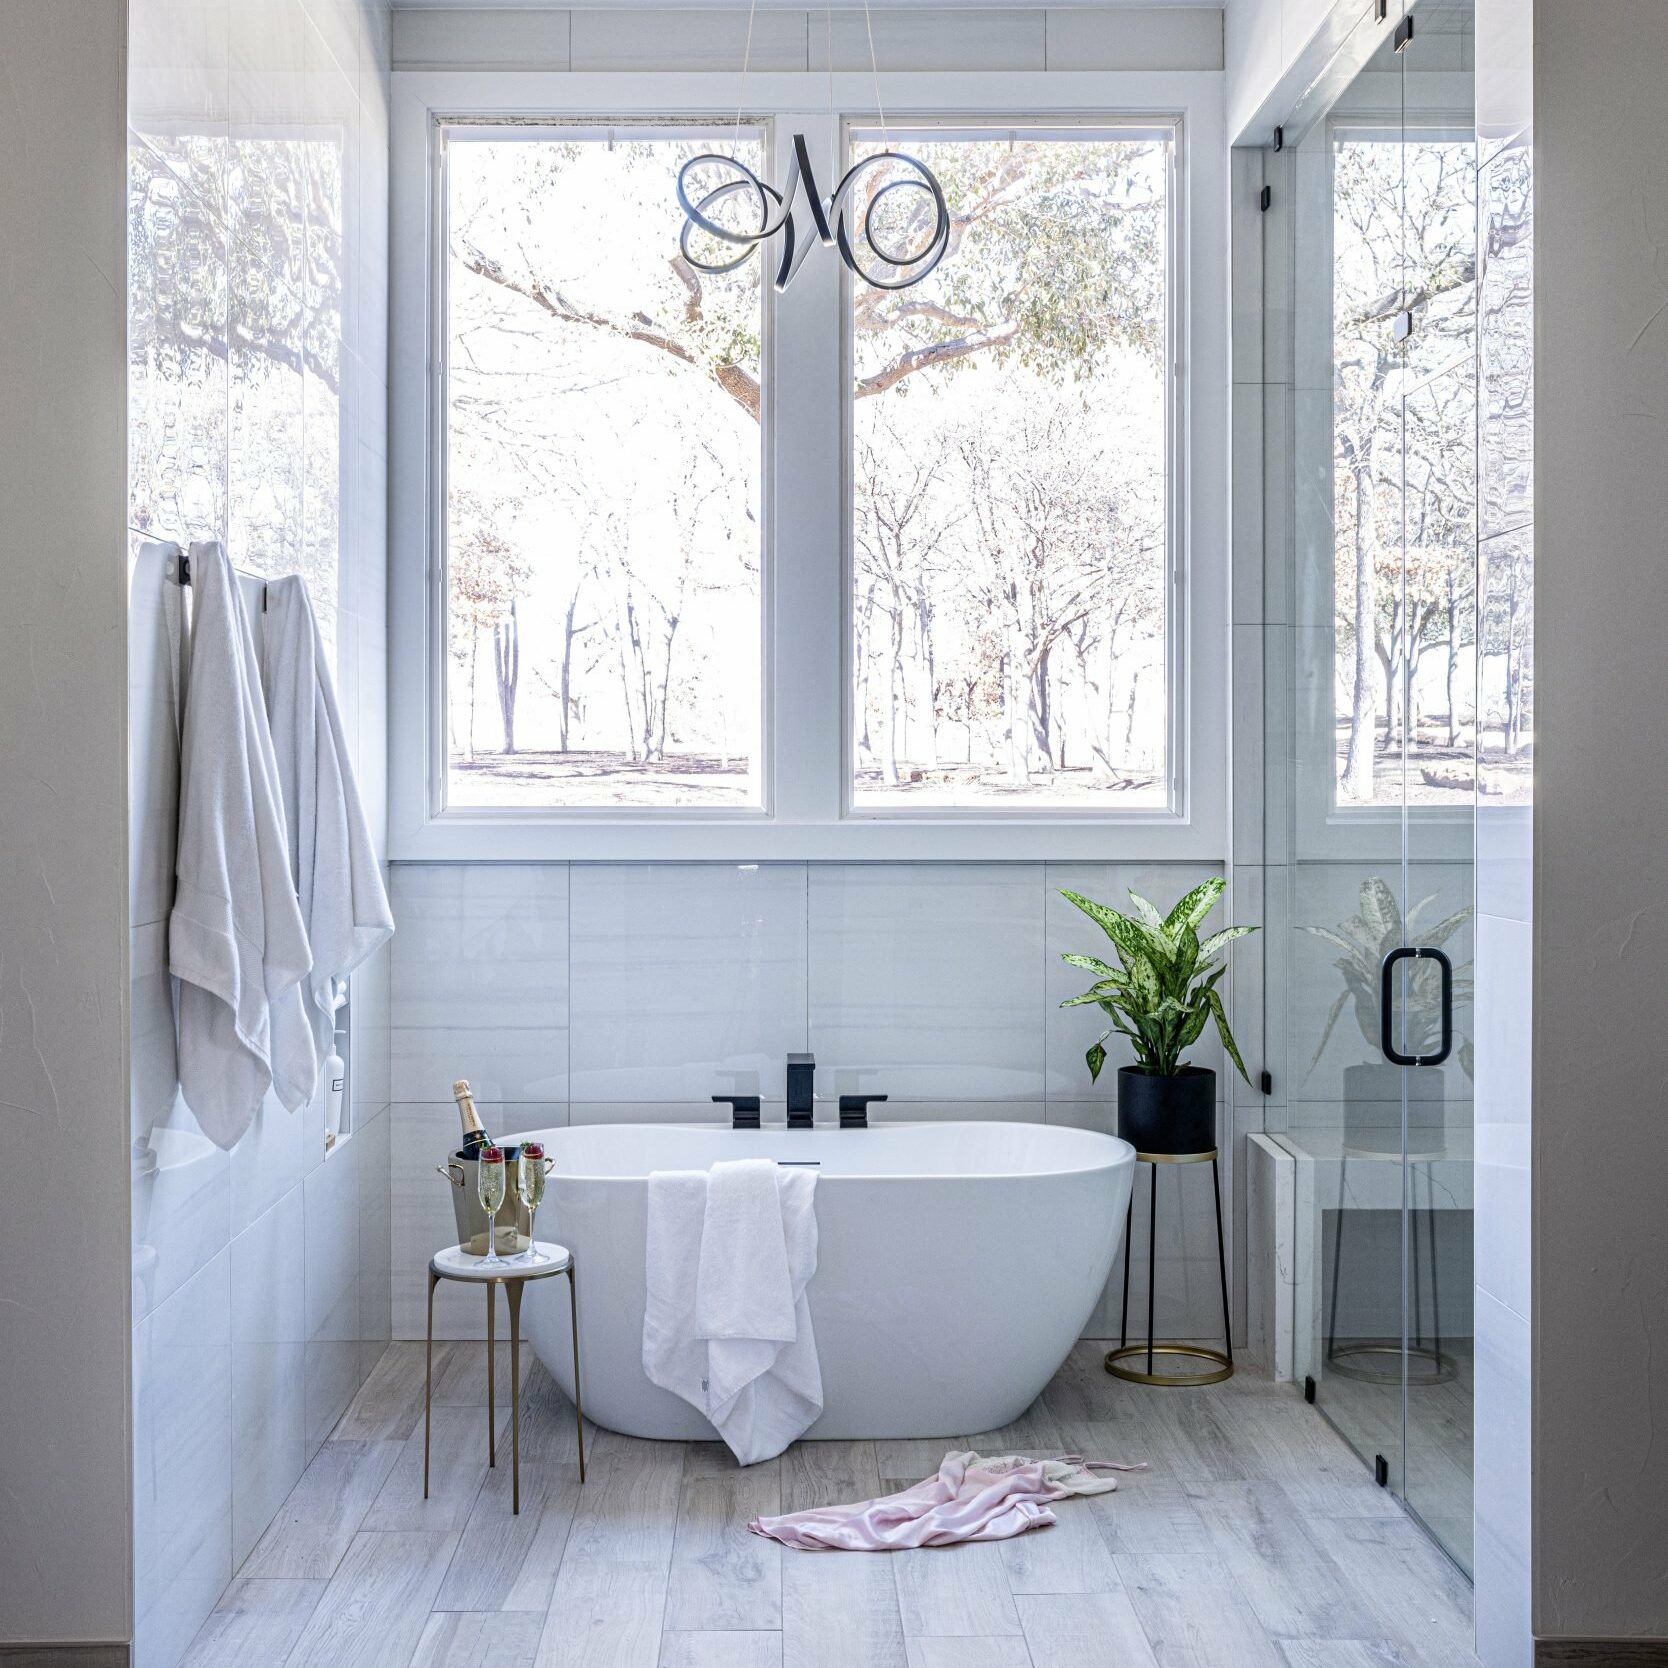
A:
{"points": [[377, 1605], [1421, 1601], [1085, 1630], [1296, 1591], [969, 1653], [610, 1594], [256, 1621], [458, 1467], [721, 1650], [949, 1591], [389, 1406], [1340, 1653], [1069, 1556], [315, 1527], [1193, 1614], [509, 1561], [724, 1578], [479, 1639]]}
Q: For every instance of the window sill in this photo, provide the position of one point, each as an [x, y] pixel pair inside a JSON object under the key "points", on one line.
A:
{"points": [[519, 838]]}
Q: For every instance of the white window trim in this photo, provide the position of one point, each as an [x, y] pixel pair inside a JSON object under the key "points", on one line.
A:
{"points": [[805, 740]]}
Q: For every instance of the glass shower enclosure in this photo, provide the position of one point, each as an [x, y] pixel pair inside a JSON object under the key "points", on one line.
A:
{"points": [[1379, 715]]}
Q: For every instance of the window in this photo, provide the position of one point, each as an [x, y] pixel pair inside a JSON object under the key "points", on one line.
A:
{"points": [[603, 562], [1010, 447], [716, 571], [1404, 470]]}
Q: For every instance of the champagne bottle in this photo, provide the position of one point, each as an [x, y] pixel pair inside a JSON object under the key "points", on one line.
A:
{"points": [[475, 1136]]}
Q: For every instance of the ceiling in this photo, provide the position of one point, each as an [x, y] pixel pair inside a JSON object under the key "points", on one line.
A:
{"points": [[797, 5]]}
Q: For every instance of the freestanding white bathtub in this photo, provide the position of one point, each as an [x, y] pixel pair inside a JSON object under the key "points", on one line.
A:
{"points": [[957, 1264]]}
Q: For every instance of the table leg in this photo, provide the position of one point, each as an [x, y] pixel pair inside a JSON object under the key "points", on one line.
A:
{"points": [[492, 1354], [512, 1292], [428, 1380], [578, 1405]]}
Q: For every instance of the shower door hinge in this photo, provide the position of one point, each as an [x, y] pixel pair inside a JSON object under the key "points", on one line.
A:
{"points": [[1265, 1082], [1266, 198], [1309, 1388], [1383, 10], [1404, 34], [1403, 327], [1279, 138], [1381, 1471]]}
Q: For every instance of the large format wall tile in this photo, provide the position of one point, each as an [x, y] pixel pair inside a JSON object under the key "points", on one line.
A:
{"points": [[480, 981], [182, 1472], [926, 980], [688, 980], [332, 1286], [376, 1219], [269, 1338], [181, 1181]]}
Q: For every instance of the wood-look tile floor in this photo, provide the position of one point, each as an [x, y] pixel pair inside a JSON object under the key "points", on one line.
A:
{"points": [[1254, 1540]]}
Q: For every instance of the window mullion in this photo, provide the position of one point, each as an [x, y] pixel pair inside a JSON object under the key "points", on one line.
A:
{"points": [[805, 404]]}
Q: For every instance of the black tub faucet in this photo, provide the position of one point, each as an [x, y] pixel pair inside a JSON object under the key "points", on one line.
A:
{"points": [[854, 1110], [744, 1110], [802, 1070]]}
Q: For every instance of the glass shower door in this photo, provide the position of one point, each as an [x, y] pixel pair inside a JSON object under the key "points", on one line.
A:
{"points": [[1371, 786], [1431, 1010]]}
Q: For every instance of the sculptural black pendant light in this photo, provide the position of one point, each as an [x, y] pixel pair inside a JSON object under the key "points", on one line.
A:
{"points": [[884, 266]]}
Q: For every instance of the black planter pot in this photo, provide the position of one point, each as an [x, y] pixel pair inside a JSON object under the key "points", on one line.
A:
{"points": [[1169, 1115]]}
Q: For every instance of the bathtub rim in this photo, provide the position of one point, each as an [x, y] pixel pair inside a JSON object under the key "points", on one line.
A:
{"points": [[1119, 1150]]}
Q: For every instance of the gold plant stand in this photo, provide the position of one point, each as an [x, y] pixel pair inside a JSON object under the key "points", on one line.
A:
{"points": [[1221, 1360]]}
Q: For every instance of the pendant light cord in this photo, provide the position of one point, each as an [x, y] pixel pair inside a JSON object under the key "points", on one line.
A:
{"points": [[874, 71], [746, 62]]}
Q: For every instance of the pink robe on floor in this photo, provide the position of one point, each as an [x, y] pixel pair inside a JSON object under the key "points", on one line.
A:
{"points": [[971, 1499]]}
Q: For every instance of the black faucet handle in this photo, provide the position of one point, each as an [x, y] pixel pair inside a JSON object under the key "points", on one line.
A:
{"points": [[854, 1110], [744, 1110]]}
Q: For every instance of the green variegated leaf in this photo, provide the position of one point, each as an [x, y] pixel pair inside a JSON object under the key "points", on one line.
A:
{"points": [[1132, 939], [1214, 997], [1195, 1025], [1197, 904], [1217, 939], [1164, 995], [1151, 918]]}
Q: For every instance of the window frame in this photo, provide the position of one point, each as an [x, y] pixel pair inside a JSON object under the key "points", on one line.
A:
{"points": [[805, 770]]}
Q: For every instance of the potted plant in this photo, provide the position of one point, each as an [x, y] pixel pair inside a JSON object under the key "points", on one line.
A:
{"points": [[1161, 995]]}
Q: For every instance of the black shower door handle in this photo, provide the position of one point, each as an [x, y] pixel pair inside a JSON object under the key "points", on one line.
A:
{"points": [[1386, 1007]]}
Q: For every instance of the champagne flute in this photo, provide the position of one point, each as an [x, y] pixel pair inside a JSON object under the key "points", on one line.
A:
{"points": [[490, 1184], [529, 1182]]}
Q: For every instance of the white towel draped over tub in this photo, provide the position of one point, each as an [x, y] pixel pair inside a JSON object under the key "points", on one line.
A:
{"points": [[236, 940], [338, 880], [726, 1325]]}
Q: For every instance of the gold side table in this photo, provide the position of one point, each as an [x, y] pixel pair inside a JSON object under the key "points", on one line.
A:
{"points": [[1221, 1360], [455, 1263]]}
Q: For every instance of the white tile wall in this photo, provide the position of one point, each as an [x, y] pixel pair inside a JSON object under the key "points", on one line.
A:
{"points": [[182, 1463], [269, 1338], [693, 980], [292, 1244], [926, 981], [633, 993]]}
